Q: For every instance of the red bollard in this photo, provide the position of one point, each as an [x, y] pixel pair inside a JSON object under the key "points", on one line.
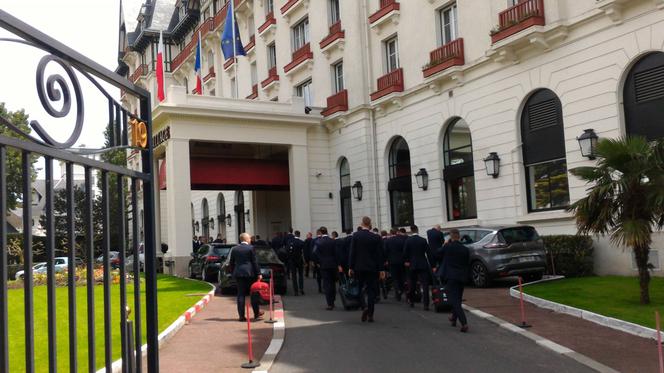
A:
{"points": [[271, 320], [251, 364], [523, 324], [659, 343]]}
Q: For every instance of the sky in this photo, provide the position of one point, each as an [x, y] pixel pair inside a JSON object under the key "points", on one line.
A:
{"points": [[89, 27]]}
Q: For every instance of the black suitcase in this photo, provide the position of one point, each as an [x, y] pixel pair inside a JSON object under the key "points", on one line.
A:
{"points": [[441, 301], [349, 293]]}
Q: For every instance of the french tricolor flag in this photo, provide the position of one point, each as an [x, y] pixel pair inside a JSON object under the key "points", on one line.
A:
{"points": [[197, 67], [160, 68]]}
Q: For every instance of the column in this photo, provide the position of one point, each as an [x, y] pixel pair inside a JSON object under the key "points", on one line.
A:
{"points": [[300, 201], [178, 201]]}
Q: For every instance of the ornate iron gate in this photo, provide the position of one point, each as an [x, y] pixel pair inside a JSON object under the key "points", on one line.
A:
{"points": [[55, 89]]}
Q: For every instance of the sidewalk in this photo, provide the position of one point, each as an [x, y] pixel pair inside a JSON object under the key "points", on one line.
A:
{"points": [[621, 351], [214, 341]]}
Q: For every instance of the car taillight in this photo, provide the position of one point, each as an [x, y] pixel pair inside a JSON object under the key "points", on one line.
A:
{"points": [[495, 245], [115, 260], [212, 258]]}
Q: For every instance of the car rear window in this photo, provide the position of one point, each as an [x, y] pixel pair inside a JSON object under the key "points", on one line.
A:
{"points": [[266, 255], [221, 251], [519, 234]]}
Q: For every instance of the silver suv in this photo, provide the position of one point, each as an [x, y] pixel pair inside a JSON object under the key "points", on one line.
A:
{"points": [[504, 251]]}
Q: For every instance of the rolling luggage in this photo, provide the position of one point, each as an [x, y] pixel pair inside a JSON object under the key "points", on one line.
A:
{"points": [[350, 293], [441, 302]]}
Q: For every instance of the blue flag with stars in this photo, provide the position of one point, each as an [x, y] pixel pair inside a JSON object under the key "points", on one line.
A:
{"points": [[227, 36]]}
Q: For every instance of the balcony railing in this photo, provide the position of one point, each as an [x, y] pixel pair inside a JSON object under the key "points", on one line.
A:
{"points": [[140, 71], [251, 44], [210, 74], [204, 29], [336, 103], [450, 54], [386, 6], [517, 18], [289, 4], [229, 62], [389, 83], [272, 76], [335, 33], [269, 20], [254, 92], [299, 56]]}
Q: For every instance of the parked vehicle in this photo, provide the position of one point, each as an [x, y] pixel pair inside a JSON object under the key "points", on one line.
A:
{"points": [[129, 263], [61, 264], [19, 274], [111, 255], [206, 262], [504, 251], [269, 264]]}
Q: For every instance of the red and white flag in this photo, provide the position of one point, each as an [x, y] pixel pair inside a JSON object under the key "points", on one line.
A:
{"points": [[160, 68], [198, 66]]}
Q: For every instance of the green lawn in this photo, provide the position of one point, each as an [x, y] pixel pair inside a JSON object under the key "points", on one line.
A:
{"points": [[175, 295], [611, 296]]}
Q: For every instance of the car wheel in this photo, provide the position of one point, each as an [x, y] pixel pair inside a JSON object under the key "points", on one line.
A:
{"points": [[480, 275], [191, 272], [219, 278], [530, 277]]}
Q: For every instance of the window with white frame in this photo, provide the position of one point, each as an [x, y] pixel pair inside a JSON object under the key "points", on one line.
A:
{"points": [[338, 76], [335, 13], [300, 34], [269, 6], [304, 90], [391, 54], [447, 18], [271, 56]]}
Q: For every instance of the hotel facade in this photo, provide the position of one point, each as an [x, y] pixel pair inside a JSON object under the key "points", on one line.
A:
{"points": [[399, 110]]}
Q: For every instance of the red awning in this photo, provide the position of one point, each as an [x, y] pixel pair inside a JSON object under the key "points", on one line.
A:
{"points": [[234, 174]]}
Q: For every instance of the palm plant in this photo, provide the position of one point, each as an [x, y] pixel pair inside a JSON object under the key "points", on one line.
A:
{"points": [[626, 197]]}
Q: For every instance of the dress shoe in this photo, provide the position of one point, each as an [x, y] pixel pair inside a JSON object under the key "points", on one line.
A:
{"points": [[301, 292], [242, 319], [464, 329], [452, 321], [370, 319], [365, 315]]}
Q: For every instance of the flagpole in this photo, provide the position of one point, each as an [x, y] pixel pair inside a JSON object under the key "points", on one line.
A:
{"points": [[237, 83]]}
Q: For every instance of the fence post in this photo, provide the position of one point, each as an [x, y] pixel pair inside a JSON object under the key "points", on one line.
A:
{"points": [[523, 323]]}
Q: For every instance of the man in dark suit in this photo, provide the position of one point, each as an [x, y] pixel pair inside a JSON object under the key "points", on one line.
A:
{"points": [[245, 269], [343, 250], [296, 263], [196, 244], [435, 238], [308, 248], [454, 271], [366, 264], [394, 257], [417, 256], [260, 242], [327, 257]]}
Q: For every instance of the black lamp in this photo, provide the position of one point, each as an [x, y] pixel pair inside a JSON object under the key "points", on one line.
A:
{"points": [[422, 177], [492, 163], [247, 213], [197, 225], [211, 221], [229, 220], [357, 190], [588, 143]]}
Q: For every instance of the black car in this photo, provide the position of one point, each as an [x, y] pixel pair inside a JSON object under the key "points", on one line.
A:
{"points": [[206, 262], [269, 263]]}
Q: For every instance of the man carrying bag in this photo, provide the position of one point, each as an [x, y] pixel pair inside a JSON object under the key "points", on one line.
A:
{"points": [[454, 271], [245, 270]]}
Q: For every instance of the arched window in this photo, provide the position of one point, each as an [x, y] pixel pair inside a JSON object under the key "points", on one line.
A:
{"points": [[239, 213], [206, 220], [221, 216], [644, 97], [400, 184], [345, 196], [459, 173], [543, 138]]}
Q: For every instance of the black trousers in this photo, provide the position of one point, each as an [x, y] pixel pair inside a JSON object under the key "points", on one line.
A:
{"points": [[317, 276], [297, 271], [397, 272], [455, 292], [423, 276], [307, 264], [243, 291], [368, 280], [329, 287]]}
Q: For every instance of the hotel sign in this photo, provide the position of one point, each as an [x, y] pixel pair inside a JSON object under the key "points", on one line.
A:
{"points": [[161, 137]]}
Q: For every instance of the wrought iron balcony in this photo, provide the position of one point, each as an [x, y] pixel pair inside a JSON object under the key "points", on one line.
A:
{"points": [[190, 48], [336, 103], [299, 56], [269, 21], [335, 34], [210, 74], [251, 44], [386, 7], [389, 83], [254, 92], [517, 18], [140, 71], [272, 76], [450, 54]]}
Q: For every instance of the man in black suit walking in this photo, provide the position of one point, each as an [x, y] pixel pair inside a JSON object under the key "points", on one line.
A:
{"points": [[308, 248], [343, 250], [435, 238], [454, 270], [296, 263], [366, 264], [417, 256], [245, 269], [394, 257], [327, 258]]}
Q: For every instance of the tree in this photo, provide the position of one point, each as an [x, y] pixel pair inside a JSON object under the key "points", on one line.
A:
{"points": [[626, 197], [14, 162], [60, 218]]}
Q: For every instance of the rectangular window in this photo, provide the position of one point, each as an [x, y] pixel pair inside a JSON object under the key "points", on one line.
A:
{"points": [[338, 74], [300, 34], [254, 74], [449, 30], [335, 14], [269, 6], [304, 90], [271, 56], [391, 54], [547, 185]]}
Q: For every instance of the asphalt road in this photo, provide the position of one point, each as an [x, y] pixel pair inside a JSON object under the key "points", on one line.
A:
{"points": [[402, 340]]}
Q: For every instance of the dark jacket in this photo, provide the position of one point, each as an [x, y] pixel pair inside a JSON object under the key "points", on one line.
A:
{"points": [[326, 252], [366, 252], [394, 249], [435, 238], [416, 251], [456, 261], [343, 250], [308, 248], [243, 261], [296, 252]]}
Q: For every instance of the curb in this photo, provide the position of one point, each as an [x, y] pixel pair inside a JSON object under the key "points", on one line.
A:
{"points": [[609, 322], [541, 341], [169, 332], [278, 335]]}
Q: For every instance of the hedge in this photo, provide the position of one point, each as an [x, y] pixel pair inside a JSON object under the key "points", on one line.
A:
{"points": [[572, 255]]}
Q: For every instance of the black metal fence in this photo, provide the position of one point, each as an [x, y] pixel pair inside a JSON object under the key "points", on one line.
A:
{"points": [[131, 188]]}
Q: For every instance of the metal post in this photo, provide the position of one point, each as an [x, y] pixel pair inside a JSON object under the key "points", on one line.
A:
{"points": [[523, 310]]}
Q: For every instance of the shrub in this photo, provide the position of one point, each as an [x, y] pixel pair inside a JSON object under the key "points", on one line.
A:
{"points": [[572, 255]]}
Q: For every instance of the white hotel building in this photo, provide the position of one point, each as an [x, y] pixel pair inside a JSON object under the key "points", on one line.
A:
{"points": [[336, 93]]}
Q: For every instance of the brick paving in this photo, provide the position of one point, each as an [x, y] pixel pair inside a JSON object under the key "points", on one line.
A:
{"points": [[621, 351]]}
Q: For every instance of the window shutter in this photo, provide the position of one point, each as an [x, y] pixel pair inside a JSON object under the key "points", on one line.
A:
{"points": [[643, 97], [649, 84], [542, 131]]}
